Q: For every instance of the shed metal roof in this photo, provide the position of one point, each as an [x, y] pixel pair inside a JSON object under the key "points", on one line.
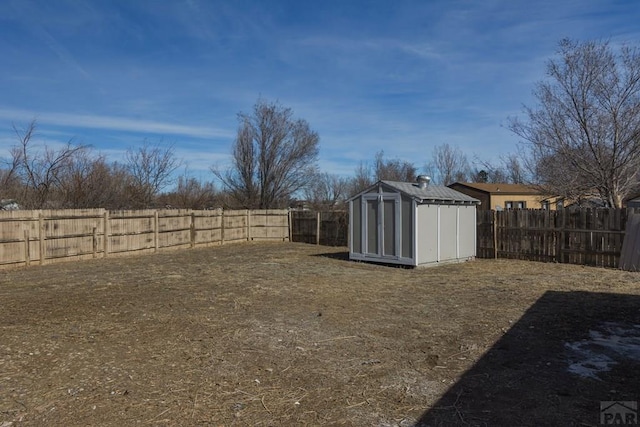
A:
{"points": [[432, 193]]}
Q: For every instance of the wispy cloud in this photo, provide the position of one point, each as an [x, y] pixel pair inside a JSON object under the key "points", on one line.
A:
{"points": [[400, 76], [118, 124]]}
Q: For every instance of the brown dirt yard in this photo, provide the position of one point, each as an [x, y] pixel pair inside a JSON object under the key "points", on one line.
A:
{"points": [[287, 334]]}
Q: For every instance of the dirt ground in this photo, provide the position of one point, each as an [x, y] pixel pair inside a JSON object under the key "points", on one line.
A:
{"points": [[286, 334]]}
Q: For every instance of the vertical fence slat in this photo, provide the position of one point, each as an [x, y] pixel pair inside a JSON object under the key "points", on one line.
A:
{"points": [[105, 237], [248, 225], [222, 228], [27, 250], [41, 238], [94, 242]]}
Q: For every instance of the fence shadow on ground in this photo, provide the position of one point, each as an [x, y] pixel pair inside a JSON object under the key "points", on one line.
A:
{"points": [[525, 378]]}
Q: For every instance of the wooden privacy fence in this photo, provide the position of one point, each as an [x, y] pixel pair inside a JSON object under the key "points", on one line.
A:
{"points": [[580, 236], [43, 236], [322, 228]]}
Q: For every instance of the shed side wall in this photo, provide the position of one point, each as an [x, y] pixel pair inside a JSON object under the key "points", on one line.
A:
{"points": [[427, 240]]}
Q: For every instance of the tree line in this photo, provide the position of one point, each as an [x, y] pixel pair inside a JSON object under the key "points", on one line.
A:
{"points": [[273, 165], [580, 141]]}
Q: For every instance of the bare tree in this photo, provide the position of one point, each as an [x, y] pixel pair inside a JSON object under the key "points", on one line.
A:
{"points": [[274, 156], [11, 186], [510, 169], [393, 169], [362, 179], [91, 182], [366, 174], [191, 193], [41, 171], [448, 165], [583, 136], [382, 169], [514, 169], [79, 186], [151, 168], [327, 191]]}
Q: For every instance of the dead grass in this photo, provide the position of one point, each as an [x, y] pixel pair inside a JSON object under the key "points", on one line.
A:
{"points": [[276, 334]]}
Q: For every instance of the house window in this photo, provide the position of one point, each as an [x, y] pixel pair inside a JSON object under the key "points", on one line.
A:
{"points": [[545, 205], [519, 204]]}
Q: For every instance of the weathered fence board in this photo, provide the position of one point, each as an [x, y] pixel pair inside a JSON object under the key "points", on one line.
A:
{"points": [[322, 228], [45, 236], [580, 236], [630, 256]]}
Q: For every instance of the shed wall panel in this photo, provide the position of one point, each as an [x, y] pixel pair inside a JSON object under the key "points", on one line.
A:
{"points": [[356, 221], [467, 232], [448, 232], [406, 227], [428, 233]]}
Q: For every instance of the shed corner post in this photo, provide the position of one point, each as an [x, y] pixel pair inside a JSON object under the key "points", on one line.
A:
{"points": [[350, 226], [458, 231], [438, 232], [415, 231]]}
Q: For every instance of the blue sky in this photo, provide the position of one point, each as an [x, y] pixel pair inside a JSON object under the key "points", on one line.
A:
{"points": [[399, 76]]}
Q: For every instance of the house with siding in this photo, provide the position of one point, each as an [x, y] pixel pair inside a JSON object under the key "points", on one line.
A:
{"points": [[633, 203], [501, 196]]}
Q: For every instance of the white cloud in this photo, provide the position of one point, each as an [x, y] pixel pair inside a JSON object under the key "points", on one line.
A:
{"points": [[120, 124]]}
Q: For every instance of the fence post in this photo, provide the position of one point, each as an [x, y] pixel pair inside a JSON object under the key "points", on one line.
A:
{"points": [[560, 244], [156, 230], [27, 253], [222, 226], [95, 242], [248, 225], [193, 229], [41, 237], [289, 224], [494, 226], [318, 228], [105, 242]]}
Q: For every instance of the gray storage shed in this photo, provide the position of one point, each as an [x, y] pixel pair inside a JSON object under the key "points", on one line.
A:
{"points": [[412, 224]]}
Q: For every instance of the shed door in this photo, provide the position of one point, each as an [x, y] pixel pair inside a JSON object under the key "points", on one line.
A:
{"points": [[372, 224], [389, 227], [380, 216]]}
